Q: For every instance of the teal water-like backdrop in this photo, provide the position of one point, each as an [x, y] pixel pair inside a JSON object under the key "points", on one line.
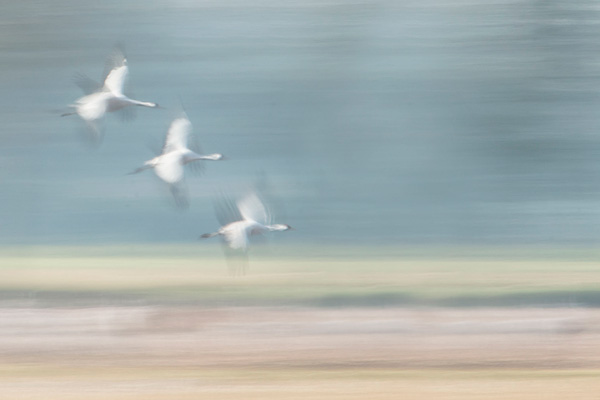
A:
{"points": [[391, 122]]}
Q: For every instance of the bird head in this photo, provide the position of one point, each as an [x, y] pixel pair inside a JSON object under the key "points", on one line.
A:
{"points": [[281, 227], [214, 157]]}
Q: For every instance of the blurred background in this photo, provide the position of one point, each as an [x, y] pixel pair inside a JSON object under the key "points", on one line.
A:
{"points": [[438, 159], [375, 122]]}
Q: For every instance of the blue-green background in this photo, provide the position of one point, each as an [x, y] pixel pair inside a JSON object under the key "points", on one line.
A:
{"points": [[380, 122]]}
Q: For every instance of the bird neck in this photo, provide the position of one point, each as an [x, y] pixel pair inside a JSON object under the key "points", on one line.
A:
{"points": [[277, 227], [212, 157], [143, 103]]}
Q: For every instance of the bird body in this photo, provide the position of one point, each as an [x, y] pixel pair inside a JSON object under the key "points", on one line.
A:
{"points": [[254, 221], [169, 165], [108, 97], [237, 234]]}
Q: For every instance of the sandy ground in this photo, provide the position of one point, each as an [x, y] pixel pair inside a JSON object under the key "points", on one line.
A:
{"points": [[254, 336], [255, 352]]}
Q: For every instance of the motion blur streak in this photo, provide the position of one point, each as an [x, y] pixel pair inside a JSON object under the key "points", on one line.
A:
{"points": [[413, 122], [438, 159]]}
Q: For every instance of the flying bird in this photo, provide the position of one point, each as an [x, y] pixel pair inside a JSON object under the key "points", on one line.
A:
{"points": [[248, 217], [175, 154], [106, 97]]}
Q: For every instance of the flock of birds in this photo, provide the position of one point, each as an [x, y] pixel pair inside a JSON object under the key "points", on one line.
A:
{"points": [[240, 220]]}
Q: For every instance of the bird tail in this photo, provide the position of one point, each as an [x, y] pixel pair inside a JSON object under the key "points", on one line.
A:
{"points": [[138, 170]]}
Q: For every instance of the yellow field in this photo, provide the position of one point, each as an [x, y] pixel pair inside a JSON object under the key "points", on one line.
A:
{"points": [[186, 273], [169, 322], [178, 383]]}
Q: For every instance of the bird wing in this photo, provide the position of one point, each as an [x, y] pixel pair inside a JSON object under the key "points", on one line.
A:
{"points": [[115, 71], [178, 134], [226, 210], [87, 84], [252, 209], [115, 81], [180, 195], [95, 132]]}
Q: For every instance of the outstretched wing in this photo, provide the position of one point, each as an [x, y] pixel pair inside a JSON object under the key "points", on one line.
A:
{"points": [[178, 134], [179, 195], [116, 71], [252, 209], [94, 133], [226, 210], [87, 84]]}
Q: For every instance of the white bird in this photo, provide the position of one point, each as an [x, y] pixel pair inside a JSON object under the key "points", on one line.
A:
{"points": [[169, 165], [108, 97], [249, 218]]}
